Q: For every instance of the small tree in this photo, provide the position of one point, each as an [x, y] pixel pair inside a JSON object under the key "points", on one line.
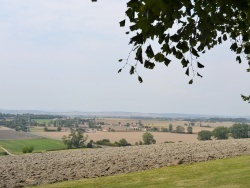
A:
{"points": [[180, 129], [59, 128], [240, 131], [148, 138], [28, 149], [170, 127], [220, 133], [90, 144], [123, 142], [204, 135], [190, 130], [75, 139]]}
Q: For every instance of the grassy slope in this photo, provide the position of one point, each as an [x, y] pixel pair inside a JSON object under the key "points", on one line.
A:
{"points": [[40, 145], [223, 173]]}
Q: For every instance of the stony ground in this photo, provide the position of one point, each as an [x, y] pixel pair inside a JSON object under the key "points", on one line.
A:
{"points": [[50, 167]]}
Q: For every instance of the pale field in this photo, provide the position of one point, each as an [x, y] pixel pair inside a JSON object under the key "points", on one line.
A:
{"points": [[131, 137], [4, 128], [159, 123]]}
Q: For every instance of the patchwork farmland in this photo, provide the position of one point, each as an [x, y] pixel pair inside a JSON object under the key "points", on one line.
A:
{"points": [[58, 166]]}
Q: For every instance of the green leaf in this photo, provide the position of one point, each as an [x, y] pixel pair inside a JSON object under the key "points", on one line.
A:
{"points": [[149, 52], [140, 79], [139, 55], [120, 60], [120, 70], [159, 57], [127, 32], [200, 65], [247, 49], [122, 23], [132, 70], [184, 62], [238, 59], [199, 75], [187, 72], [149, 65], [224, 37], [167, 61], [234, 46], [194, 52], [190, 82], [219, 40]]}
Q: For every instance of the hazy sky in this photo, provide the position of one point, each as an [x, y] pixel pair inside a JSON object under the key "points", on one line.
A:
{"points": [[63, 55]]}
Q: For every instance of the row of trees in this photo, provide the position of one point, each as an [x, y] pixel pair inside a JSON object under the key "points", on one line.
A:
{"points": [[76, 139], [220, 133]]}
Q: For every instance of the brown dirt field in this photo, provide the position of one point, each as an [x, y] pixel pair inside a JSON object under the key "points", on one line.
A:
{"points": [[51, 167], [159, 123], [146, 122], [131, 137], [14, 135]]}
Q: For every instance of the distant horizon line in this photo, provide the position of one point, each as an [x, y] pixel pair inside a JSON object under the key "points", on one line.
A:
{"points": [[128, 112]]}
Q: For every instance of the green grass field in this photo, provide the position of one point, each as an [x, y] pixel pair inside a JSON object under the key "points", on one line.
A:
{"points": [[42, 120], [223, 173], [40, 145]]}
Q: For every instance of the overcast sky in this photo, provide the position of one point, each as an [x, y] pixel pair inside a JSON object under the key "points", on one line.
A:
{"points": [[63, 55]]}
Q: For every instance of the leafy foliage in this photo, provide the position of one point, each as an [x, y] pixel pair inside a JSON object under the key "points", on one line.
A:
{"points": [[201, 26], [190, 130], [148, 138], [220, 133], [204, 135], [180, 129], [75, 139], [240, 130], [28, 149]]}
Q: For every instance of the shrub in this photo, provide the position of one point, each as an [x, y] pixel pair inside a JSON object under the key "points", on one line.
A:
{"points": [[240, 131], [28, 149], [204, 135], [190, 130], [220, 133], [180, 129], [148, 138]]}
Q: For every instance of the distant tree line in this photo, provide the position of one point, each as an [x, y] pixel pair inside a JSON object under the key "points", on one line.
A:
{"points": [[238, 130]]}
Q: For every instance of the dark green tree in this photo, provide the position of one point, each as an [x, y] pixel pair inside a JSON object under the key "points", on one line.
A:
{"points": [[220, 133], [170, 127], [180, 129], [204, 135], [75, 139], [240, 130], [190, 130], [148, 138], [123, 142]]}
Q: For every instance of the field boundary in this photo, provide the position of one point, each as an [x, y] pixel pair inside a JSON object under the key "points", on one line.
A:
{"points": [[7, 151]]}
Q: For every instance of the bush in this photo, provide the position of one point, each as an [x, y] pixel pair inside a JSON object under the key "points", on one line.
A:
{"points": [[148, 138], [180, 129], [204, 135], [220, 133], [190, 130], [240, 131], [123, 142], [164, 129], [75, 139], [28, 149]]}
